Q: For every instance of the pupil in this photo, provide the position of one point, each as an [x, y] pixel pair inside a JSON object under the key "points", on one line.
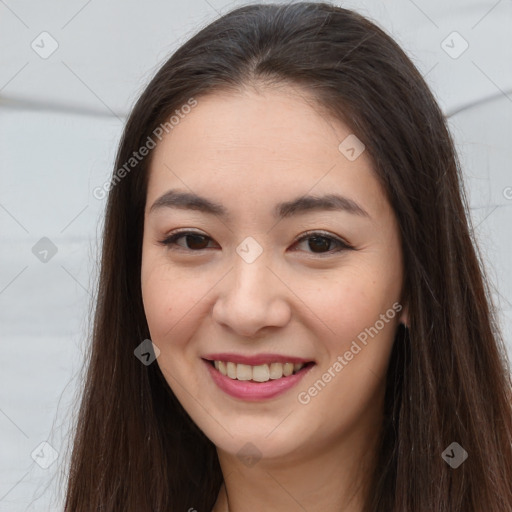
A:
{"points": [[315, 239], [196, 238]]}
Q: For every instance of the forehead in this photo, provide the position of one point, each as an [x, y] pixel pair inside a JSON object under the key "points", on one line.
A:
{"points": [[259, 145], [275, 121]]}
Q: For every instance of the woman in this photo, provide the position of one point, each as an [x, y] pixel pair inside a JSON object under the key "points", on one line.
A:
{"points": [[291, 313]]}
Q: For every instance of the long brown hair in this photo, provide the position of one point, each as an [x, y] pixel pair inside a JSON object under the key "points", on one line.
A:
{"points": [[136, 449]]}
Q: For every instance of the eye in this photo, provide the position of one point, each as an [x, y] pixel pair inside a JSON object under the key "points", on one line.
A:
{"points": [[197, 240], [318, 241]]}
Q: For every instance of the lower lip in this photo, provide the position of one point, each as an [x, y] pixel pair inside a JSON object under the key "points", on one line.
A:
{"points": [[255, 391]]}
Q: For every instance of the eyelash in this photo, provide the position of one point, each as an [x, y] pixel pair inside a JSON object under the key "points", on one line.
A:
{"points": [[170, 241]]}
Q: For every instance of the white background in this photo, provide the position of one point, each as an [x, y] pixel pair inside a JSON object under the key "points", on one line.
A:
{"points": [[60, 122]]}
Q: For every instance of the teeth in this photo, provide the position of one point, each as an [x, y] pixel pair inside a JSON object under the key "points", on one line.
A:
{"points": [[231, 370], [276, 370], [243, 372], [260, 373], [287, 369]]}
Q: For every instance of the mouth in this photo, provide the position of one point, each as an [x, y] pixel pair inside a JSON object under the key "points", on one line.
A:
{"points": [[258, 373], [256, 382]]}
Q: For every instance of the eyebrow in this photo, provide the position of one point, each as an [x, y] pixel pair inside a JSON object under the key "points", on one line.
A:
{"points": [[300, 205]]}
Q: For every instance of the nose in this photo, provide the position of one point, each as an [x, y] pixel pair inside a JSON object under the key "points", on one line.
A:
{"points": [[252, 298]]}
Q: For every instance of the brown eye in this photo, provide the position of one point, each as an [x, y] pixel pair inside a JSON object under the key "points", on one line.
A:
{"points": [[319, 243], [194, 241]]}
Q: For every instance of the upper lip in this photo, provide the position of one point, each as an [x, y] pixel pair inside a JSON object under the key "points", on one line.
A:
{"points": [[255, 360]]}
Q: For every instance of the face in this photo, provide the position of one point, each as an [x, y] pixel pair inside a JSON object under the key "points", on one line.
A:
{"points": [[266, 287]]}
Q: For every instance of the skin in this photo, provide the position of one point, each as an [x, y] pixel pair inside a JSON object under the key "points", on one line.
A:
{"points": [[250, 151]]}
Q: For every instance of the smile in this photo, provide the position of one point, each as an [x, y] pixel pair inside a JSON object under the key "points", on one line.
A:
{"points": [[256, 382], [259, 373]]}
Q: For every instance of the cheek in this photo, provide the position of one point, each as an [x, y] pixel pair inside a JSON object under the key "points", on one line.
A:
{"points": [[159, 292], [156, 299], [358, 310], [173, 300], [349, 381], [352, 302]]}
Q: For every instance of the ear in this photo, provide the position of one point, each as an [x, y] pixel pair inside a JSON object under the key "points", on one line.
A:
{"points": [[404, 316]]}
